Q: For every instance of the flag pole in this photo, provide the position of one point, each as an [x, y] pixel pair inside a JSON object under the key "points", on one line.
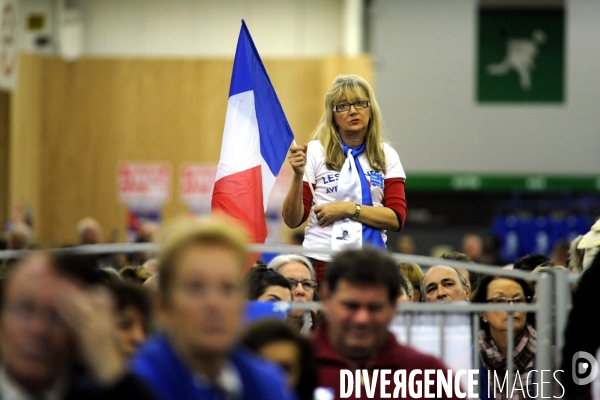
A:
{"points": [[312, 190]]}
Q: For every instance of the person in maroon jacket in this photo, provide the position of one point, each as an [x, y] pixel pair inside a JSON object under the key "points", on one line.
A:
{"points": [[359, 302]]}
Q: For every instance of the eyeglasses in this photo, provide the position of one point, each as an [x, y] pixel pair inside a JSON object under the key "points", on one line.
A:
{"points": [[357, 105], [505, 300], [307, 284], [27, 311]]}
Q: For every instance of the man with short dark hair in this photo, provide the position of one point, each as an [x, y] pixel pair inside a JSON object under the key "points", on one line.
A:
{"points": [[359, 301], [531, 261]]}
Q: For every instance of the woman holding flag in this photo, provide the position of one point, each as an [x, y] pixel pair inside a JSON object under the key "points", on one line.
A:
{"points": [[357, 179]]}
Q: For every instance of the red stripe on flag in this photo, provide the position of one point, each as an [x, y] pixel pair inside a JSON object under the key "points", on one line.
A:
{"points": [[240, 197]]}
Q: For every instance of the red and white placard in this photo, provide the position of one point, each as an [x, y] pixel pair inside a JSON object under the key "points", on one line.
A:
{"points": [[142, 184], [196, 183]]}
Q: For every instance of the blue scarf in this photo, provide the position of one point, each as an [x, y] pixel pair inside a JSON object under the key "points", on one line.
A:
{"points": [[370, 235]]}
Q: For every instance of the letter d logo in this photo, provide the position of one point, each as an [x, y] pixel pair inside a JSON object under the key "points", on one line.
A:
{"points": [[583, 363]]}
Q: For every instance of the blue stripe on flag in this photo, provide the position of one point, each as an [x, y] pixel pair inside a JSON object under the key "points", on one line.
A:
{"points": [[241, 80], [249, 73]]}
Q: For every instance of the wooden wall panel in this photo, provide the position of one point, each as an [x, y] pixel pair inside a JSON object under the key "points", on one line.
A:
{"points": [[299, 90], [335, 65], [4, 132], [24, 178], [100, 112]]}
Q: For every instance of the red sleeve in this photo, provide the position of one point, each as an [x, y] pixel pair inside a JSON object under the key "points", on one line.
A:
{"points": [[307, 200], [394, 198]]}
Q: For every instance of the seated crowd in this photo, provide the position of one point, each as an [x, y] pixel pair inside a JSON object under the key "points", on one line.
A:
{"points": [[172, 325]]}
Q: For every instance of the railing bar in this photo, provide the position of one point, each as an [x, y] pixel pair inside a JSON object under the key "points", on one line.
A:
{"points": [[281, 248], [510, 346], [442, 324], [475, 341], [475, 338]]}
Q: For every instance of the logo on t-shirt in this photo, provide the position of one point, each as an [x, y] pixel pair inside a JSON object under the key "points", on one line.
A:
{"points": [[344, 236], [375, 178]]}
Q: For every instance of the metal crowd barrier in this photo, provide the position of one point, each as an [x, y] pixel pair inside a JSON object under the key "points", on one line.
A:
{"points": [[553, 291]]}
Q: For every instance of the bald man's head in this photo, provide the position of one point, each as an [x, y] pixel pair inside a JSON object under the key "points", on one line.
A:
{"points": [[442, 284]]}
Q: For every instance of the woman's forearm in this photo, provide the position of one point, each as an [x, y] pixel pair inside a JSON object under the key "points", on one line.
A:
{"points": [[293, 208], [382, 218]]}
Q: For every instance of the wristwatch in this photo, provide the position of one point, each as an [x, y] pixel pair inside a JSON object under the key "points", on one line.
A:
{"points": [[356, 211]]}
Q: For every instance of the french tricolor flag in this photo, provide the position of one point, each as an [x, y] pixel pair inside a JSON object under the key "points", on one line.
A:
{"points": [[256, 140]]}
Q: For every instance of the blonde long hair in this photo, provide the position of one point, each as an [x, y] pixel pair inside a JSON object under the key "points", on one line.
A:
{"points": [[350, 88]]}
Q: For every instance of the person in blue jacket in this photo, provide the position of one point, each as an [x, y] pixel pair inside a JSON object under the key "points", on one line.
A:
{"points": [[200, 304]]}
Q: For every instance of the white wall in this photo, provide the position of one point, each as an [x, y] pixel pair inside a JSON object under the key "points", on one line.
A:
{"points": [[425, 60], [193, 28], [424, 54]]}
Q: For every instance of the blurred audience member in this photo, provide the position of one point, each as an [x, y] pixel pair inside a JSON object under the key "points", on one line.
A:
{"points": [[53, 320], [287, 348], [299, 271], [134, 274], [200, 304], [19, 236], [359, 304], [530, 261], [265, 284], [560, 253], [146, 234], [493, 337], [491, 250], [406, 245], [89, 231], [472, 246], [414, 274], [134, 316], [406, 292]]}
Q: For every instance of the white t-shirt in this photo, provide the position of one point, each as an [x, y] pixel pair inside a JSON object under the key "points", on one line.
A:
{"points": [[316, 172]]}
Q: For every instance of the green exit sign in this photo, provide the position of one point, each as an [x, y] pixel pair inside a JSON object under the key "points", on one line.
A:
{"points": [[521, 55]]}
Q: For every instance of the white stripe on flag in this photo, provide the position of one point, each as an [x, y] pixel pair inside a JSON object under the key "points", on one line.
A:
{"points": [[240, 149], [268, 181]]}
